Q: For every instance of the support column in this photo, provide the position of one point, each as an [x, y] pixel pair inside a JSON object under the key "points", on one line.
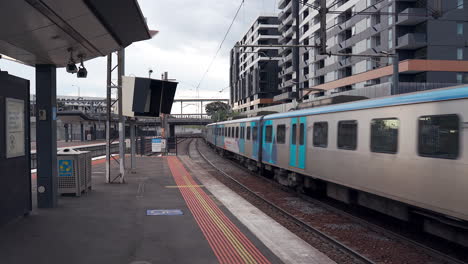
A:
{"points": [[82, 135], [46, 135], [108, 117], [201, 109], [132, 145], [121, 72], [396, 73]]}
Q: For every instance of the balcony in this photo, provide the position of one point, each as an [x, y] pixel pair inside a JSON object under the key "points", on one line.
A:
{"points": [[412, 16], [412, 41], [284, 50], [289, 32], [286, 71], [284, 97], [286, 23], [284, 4]]}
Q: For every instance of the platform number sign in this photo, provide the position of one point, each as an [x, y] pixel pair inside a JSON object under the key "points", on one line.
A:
{"points": [[65, 168]]}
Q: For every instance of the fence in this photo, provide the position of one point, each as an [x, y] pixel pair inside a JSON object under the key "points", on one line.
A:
{"points": [[96, 150]]}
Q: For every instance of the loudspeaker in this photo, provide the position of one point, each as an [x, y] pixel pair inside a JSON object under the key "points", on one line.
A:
{"points": [[147, 97]]}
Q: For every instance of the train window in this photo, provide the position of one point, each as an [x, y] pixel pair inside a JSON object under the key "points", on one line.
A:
{"points": [[384, 135], [229, 132], [254, 133], [293, 135], [237, 132], [269, 134], [301, 134], [232, 132], [439, 136], [281, 134], [320, 134], [347, 135], [242, 132], [248, 133]]}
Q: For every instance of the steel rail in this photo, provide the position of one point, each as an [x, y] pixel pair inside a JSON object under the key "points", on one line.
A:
{"points": [[342, 247], [430, 251]]}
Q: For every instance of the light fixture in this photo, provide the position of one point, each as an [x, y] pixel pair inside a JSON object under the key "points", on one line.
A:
{"points": [[71, 67], [82, 72]]}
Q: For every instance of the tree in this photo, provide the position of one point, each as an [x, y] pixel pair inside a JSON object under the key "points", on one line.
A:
{"points": [[218, 111]]}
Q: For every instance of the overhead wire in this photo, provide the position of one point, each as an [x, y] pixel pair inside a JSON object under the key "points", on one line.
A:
{"points": [[220, 46]]}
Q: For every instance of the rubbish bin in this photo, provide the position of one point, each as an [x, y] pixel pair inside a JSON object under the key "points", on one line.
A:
{"points": [[74, 171]]}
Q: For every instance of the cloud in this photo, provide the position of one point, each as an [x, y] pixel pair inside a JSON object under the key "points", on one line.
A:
{"points": [[190, 34]]}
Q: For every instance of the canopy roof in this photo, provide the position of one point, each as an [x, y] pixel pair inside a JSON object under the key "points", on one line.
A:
{"points": [[44, 31]]}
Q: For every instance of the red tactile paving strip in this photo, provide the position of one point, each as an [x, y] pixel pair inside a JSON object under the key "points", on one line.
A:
{"points": [[229, 244]]}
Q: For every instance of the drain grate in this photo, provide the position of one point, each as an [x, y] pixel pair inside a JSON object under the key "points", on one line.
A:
{"points": [[164, 212]]}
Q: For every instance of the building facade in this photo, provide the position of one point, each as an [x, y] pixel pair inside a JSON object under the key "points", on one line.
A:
{"points": [[428, 36], [254, 70]]}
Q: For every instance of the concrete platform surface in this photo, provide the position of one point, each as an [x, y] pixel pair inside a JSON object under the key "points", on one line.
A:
{"points": [[110, 224]]}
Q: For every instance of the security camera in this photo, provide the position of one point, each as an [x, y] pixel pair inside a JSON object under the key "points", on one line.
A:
{"points": [[82, 72], [71, 68]]}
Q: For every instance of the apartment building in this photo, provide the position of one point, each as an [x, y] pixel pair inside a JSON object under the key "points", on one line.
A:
{"points": [[254, 70], [429, 37]]}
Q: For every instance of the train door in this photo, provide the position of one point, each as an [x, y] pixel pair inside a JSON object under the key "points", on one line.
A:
{"points": [[242, 138], [268, 147], [297, 146], [220, 137], [255, 140]]}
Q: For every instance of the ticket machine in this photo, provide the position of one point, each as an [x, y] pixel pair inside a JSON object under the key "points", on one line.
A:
{"points": [[15, 167]]}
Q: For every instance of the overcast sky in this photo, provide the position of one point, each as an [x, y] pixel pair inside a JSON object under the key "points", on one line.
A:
{"points": [[190, 33]]}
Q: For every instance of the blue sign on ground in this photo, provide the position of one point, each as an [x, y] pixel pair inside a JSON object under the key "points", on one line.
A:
{"points": [[65, 168], [164, 212]]}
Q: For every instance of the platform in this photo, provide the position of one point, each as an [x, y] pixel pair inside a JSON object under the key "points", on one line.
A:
{"points": [[111, 225]]}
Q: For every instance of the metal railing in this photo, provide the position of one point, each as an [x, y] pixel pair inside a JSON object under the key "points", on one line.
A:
{"points": [[96, 150]]}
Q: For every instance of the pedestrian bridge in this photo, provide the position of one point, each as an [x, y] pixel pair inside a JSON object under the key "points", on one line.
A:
{"points": [[178, 119]]}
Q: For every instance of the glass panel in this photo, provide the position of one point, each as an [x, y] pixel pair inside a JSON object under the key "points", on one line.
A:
{"points": [[281, 134], [347, 135], [301, 134], [294, 132], [268, 134], [439, 136], [248, 133], [321, 134], [255, 133], [384, 135]]}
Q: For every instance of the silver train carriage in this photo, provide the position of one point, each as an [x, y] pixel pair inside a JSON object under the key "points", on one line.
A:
{"points": [[405, 156]]}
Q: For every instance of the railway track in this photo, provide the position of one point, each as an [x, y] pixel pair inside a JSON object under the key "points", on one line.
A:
{"points": [[435, 256]]}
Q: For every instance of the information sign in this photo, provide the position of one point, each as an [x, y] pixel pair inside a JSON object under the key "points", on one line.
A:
{"points": [[15, 145], [65, 168], [156, 145]]}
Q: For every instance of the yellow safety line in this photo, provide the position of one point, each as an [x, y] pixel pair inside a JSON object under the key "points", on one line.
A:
{"points": [[244, 254]]}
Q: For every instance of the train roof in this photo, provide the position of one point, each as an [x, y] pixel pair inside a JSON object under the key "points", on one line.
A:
{"points": [[453, 93], [235, 121]]}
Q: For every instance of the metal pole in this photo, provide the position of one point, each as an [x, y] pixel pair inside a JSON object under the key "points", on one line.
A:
{"points": [[201, 109], [133, 145], [296, 66], [121, 72], [109, 116], [396, 73]]}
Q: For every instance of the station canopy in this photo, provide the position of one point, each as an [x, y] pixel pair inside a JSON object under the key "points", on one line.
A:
{"points": [[43, 31]]}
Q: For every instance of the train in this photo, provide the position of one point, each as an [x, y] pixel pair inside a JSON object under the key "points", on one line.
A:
{"points": [[403, 155]]}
